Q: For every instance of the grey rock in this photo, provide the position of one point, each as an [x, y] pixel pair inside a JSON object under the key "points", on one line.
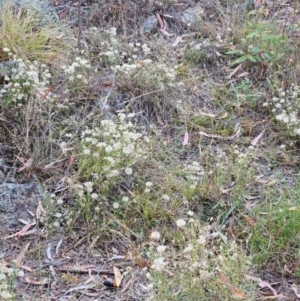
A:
{"points": [[245, 6], [16, 201], [44, 11], [189, 16], [6, 70], [149, 25]]}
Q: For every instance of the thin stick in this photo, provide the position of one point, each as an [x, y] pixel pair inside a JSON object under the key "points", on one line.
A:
{"points": [[79, 25]]}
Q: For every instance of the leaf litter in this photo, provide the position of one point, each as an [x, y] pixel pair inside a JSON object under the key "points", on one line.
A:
{"points": [[94, 270]]}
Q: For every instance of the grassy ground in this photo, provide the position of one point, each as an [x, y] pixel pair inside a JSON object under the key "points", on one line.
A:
{"points": [[171, 158]]}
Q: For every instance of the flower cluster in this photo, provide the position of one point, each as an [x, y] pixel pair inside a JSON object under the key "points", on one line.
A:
{"points": [[6, 276], [133, 64], [285, 106], [109, 150], [199, 255], [194, 173], [147, 74], [24, 81], [77, 71]]}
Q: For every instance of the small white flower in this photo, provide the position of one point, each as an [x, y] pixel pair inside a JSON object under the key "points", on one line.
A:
{"points": [[147, 190], [116, 205], [161, 249], [149, 184], [94, 196], [125, 198], [108, 149], [127, 150], [188, 248], [21, 273], [5, 49], [128, 171], [201, 240], [86, 151], [79, 76], [6, 295], [180, 223], [159, 264], [89, 186], [56, 224], [165, 197], [59, 201], [190, 213], [155, 235]]}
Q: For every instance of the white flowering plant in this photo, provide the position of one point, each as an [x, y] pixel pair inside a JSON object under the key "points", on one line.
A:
{"points": [[7, 276], [134, 65], [109, 151], [285, 107], [77, 73], [147, 75], [28, 81], [192, 258]]}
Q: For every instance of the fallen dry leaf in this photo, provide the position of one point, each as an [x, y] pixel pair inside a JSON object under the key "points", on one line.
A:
{"points": [[26, 165], [166, 33], [243, 74], [234, 71], [118, 277], [262, 283], [185, 139], [296, 289], [49, 252], [177, 41], [250, 220], [26, 268], [233, 290], [257, 138], [207, 114], [37, 282], [266, 12], [159, 120], [20, 257], [160, 21], [126, 285], [39, 210], [21, 232], [58, 246]]}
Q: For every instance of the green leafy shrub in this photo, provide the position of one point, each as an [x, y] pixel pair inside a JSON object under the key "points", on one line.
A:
{"points": [[260, 45]]}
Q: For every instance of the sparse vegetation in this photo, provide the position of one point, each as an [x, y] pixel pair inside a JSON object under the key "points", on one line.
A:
{"points": [[172, 158]]}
